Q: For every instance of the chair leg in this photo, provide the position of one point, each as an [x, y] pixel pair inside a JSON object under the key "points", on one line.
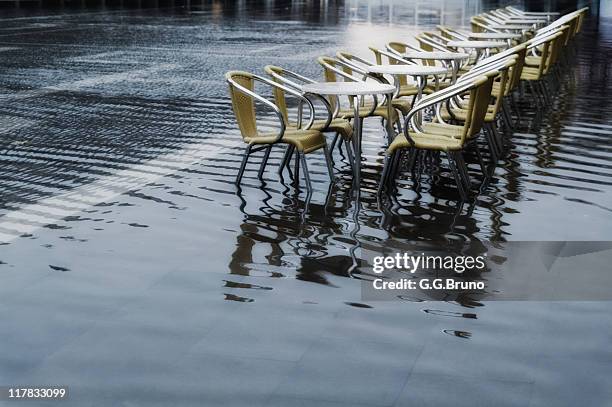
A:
{"points": [[534, 95], [412, 158], [349, 153], [507, 115], [333, 143], [296, 179], [539, 85], [286, 158], [546, 92], [453, 167], [490, 143], [385, 173], [516, 109], [540, 89], [398, 123], [499, 142], [328, 161], [264, 162], [463, 169], [483, 166], [305, 168], [395, 164], [247, 152]]}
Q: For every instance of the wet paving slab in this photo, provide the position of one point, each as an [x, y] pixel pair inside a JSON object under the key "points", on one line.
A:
{"points": [[135, 272]]}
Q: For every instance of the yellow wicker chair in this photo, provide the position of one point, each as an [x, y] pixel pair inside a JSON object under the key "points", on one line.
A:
{"points": [[451, 141], [304, 140]]}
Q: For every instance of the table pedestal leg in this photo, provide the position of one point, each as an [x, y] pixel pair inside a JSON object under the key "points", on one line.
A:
{"points": [[455, 70], [390, 115], [422, 82], [357, 140]]}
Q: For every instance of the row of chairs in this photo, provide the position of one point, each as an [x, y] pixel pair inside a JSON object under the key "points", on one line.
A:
{"points": [[451, 118]]}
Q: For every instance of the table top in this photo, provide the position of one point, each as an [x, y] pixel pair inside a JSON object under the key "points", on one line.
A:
{"points": [[348, 88], [405, 69], [508, 27], [540, 19], [476, 44], [523, 21], [541, 13], [438, 55], [494, 36]]}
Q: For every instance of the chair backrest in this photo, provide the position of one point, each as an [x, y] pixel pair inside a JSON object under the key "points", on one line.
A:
{"points": [[557, 47], [504, 82], [581, 15], [243, 96], [428, 44], [293, 81], [332, 69], [479, 25], [352, 59], [501, 55], [517, 69], [550, 46], [519, 52], [498, 71], [242, 103], [480, 95], [279, 94], [452, 33], [401, 48]]}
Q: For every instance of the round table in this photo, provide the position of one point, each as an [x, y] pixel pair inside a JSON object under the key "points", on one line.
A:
{"points": [[494, 36], [357, 90], [478, 46], [418, 72], [524, 20], [451, 58], [510, 27]]}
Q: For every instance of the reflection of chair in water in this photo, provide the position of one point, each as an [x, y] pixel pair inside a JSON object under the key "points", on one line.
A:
{"points": [[281, 230]]}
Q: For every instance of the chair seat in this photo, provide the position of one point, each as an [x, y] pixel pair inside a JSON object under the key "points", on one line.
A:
{"points": [[530, 74], [443, 129], [426, 141], [380, 111], [494, 92], [404, 105], [337, 125], [461, 114], [533, 61], [408, 90], [431, 86], [496, 89], [304, 140]]}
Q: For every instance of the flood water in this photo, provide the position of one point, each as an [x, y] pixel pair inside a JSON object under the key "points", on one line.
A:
{"points": [[134, 271]]}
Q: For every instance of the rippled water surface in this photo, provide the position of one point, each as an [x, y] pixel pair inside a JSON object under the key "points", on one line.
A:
{"points": [[134, 271]]}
